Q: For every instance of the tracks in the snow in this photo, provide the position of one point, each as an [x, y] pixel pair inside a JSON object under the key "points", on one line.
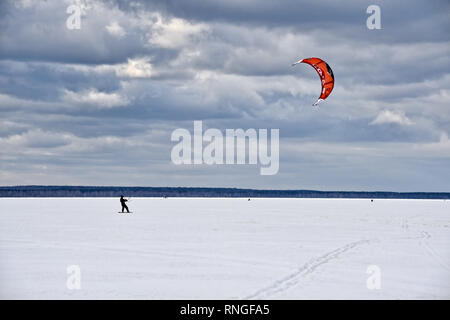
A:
{"points": [[294, 278], [436, 256]]}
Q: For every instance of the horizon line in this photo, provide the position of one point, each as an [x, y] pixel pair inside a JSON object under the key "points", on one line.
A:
{"points": [[218, 188]]}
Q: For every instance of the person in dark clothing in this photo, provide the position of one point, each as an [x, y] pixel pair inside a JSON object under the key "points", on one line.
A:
{"points": [[122, 202]]}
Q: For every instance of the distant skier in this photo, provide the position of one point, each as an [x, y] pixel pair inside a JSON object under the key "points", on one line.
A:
{"points": [[122, 202]]}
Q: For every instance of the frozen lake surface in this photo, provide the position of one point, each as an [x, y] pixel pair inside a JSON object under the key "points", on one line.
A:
{"points": [[190, 248]]}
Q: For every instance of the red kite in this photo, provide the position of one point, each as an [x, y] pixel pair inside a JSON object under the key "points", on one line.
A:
{"points": [[325, 74]]}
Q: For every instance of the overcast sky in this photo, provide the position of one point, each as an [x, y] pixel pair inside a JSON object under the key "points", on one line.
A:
{"points": [[97, 106]]}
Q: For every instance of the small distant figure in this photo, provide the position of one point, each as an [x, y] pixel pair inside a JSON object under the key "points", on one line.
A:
{"points": [[371, 200], [122, 202], [248, 199]]}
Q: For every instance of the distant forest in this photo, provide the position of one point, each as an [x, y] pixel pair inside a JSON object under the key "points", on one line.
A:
{"points": [[92, 191]]}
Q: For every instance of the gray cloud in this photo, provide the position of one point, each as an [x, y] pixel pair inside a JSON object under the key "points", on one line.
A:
{"points": [[98, 105]]}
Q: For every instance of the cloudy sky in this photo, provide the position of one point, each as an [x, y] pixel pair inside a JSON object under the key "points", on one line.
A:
{"points": [[97, 105]]}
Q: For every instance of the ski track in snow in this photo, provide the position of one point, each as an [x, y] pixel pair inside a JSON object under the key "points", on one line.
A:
{"points": [[429, 249], [296, 277], [423, 238]]}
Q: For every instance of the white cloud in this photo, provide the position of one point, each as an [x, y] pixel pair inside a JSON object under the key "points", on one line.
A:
{"points": [[37, 138], [115, 29], [174, 33], [387, 116], [139, 67], [96, 98], [135, 68], [8, 102]]}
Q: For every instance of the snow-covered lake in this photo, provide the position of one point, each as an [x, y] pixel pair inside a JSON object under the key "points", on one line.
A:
{"points": [[180, 248]]}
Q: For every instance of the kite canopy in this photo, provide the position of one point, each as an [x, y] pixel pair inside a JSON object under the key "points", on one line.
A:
{"points": [[325, 73]]}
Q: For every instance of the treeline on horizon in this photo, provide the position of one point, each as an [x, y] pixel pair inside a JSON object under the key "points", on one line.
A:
{"points": [[102, 191]]}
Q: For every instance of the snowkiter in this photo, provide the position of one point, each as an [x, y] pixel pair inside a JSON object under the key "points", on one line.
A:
{"points": [[122, 202]]}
